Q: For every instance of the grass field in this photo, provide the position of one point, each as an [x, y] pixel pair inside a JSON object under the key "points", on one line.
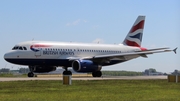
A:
{"points": [[102, 90], [12, 75]]}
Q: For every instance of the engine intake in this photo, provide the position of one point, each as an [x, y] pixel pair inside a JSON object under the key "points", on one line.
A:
{"points": [[85, 66]]}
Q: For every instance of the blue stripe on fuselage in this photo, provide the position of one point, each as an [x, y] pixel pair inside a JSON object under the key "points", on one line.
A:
{"points": [[52, 62]]}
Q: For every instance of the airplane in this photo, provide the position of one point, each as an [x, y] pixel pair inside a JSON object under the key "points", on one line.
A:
{"points": [[44, 56]]}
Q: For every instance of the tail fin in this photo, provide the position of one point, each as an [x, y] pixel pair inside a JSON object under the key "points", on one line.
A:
{"points": [[134, 37]]}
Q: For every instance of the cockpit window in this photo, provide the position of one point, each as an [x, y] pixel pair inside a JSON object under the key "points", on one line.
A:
{"points": [[24, 48], [15, 48], [19, 48]]}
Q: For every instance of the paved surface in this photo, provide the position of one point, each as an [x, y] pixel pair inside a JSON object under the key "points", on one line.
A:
{"points": [[84, 78]]}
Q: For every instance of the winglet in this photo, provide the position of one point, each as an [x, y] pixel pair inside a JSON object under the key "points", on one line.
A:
{"points": [[174, 50]]}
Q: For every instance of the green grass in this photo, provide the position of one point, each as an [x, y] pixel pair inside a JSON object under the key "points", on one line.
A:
{"points": [[12, 75], [102, 90]]}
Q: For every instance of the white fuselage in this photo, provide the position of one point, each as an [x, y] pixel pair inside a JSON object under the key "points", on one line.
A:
{"points": [[60, 51]]}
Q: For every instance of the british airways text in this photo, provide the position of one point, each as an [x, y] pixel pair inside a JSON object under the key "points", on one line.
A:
{"points": [[57, 53]]}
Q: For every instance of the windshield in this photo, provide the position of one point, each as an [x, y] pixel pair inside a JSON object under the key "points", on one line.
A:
{"points": [[19, 48]]}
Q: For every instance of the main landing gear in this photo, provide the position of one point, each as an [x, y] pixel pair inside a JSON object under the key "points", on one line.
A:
{"points": [[97, 74], [66, 72]]}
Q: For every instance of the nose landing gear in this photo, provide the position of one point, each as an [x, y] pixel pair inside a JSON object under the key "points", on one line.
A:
{"points": [[30, 74]]}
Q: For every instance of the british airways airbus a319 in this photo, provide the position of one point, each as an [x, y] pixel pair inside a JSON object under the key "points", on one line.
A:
{"points": [[43, 56]]}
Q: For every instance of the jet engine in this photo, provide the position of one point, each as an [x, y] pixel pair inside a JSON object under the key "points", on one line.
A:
{"points": [[85, 66]]}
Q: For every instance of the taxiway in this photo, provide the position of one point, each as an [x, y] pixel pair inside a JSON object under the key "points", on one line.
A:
{"points": [[84, 78]]}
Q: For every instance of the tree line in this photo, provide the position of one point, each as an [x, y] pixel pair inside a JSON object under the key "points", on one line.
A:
{"points": [[121, 73]]}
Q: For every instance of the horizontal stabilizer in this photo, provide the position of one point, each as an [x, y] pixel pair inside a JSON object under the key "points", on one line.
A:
{"points": [[144, 55]]}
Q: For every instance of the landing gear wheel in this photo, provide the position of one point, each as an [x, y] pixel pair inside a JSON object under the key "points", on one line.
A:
{"points": [[67, 73], [94, 74], [97, 74], [30, 74]]}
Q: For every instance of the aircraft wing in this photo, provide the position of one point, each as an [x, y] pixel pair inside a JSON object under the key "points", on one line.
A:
{"points": [[136, 53], [102, 58]]}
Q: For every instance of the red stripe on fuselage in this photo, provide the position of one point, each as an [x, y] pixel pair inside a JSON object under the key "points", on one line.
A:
{"points": [[140, 25], [40, 45], [143, 49]]}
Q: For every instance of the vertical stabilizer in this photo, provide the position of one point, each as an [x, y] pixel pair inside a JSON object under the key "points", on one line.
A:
{"points": [[134, 37]]}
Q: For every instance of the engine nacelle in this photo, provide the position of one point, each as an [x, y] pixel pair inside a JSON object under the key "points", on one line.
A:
{"points": [[85, 66], [42, 69]]}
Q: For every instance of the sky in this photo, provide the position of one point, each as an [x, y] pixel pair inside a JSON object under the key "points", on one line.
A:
{"points": [[88, 21]]}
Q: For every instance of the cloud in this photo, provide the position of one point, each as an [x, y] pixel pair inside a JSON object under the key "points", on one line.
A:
{"points": [[95, 26], [84, 21], [76, 22], [98, 40]]}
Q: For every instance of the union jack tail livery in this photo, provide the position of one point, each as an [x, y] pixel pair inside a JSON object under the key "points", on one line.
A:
{"points": [[134, 37]]}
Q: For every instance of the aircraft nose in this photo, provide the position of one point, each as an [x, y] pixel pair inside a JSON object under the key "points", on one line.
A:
{"points": [[8, 55]]}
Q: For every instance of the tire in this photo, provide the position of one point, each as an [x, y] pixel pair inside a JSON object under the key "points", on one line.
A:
{"points": [[67, 73], [97, 74], [94, 74], [30, 74]]}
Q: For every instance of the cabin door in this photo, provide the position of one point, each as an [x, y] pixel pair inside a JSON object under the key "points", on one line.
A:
{"points": [[38, 52]]}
